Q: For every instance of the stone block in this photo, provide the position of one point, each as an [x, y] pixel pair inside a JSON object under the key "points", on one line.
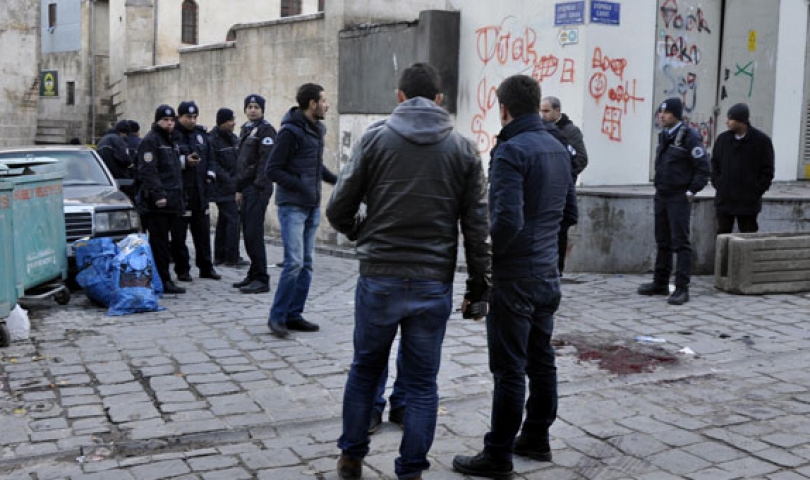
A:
{"points": [[762, 263]]}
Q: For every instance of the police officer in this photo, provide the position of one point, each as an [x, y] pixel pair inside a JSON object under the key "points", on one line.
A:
{"points": [[113, 149], [195, 160], [253, 191], [160, 195], [224, 145], [681, 170]]}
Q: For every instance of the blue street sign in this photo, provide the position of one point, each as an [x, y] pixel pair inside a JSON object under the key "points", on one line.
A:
{"points": [[569, 13], [605, 12]]}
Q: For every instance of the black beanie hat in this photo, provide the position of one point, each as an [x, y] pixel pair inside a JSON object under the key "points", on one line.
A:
{"points": [[164, 111], [188, 107], [223, 115], [134, 126], [122, 127], [673, 105], [739, 112], [254, 98]]}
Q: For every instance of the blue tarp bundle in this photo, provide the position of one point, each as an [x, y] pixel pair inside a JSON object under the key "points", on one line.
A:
{"points": [[121, 277]]}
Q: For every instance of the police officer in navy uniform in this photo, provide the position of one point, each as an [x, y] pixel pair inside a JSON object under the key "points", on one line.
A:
{"points": [[198, 174], [253, 191], [225, 146], [160, 194], [681, 170]]}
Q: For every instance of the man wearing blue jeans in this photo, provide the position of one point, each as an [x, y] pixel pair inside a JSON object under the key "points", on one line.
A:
{"points": [[296, 166], [526, 283], [419, 180]]}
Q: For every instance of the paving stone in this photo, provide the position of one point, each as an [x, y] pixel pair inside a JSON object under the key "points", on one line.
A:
{"points": [[214, 462], [85, 411], [168, 383], [158, 470], [132, 412]]}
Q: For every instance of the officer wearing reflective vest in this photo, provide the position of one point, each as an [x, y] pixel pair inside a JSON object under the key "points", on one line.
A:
{"points": [[681, 170]]}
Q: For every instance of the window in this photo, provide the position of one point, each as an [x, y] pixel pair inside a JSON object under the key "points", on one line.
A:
{"points": [[320, 5], [71, 93], [189, 33], [290, 7], [51, 15]]}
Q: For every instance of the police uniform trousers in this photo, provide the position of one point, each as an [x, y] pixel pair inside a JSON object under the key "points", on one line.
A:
{"points": [[198, 221], [159, 225], [672, 214], [254, 208]]}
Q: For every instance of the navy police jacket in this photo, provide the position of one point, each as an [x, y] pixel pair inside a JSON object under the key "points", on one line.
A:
{"points": [[196, 179], [681, 162], [256, 141], [159, 173], [224, 145], [296, 163]]}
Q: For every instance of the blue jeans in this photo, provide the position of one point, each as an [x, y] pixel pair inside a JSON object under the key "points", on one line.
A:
{"points": [[419, 309], [519, 328], [397, 397], [298, 228]]}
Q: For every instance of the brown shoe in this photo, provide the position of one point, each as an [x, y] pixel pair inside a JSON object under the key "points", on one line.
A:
{"points": [[349, 468]]}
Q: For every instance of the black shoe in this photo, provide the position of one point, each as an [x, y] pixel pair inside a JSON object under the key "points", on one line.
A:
{"points": [[349, 468], [255, 287], [653, 288], [238, 264], [302, 325], [213, 275], [376, 421], [679, 296], [243, 283], [535, 450], [218, 262], [170, 287], [482, 465], [278, 329], [397, 415], [184, 277]]}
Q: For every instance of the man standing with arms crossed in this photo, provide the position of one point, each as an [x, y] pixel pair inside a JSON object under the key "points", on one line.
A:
{"points": [[296, 165], [551, 111], [524, 223], [419, 180], [253, 191], [681, 170], [742, 171]]}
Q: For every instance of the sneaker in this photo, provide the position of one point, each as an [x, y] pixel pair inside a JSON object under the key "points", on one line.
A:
{"points": [[653, 288], [184, 277], [278, 329], [242, 283], [349, 468], [482, 465], [255, 286], [376, 421], [171, 287], [397, 415], [679, 296], [540, 451], [302, 325]]}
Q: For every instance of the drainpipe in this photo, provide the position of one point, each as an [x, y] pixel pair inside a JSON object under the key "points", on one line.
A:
{"points": [[155, 36], [93, 71]]}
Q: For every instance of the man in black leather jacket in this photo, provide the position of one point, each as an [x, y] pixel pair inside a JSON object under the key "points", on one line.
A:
{"points": [[419, 180]]}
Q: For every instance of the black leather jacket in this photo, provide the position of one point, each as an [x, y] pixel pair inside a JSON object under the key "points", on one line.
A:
{"points": [[419, 180]]}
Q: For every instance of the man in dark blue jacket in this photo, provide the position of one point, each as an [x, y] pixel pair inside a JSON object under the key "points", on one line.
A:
{"points": [[524, 223], [296, 166], [224, 145], [198, 174], [681, 171], [113, 149]]}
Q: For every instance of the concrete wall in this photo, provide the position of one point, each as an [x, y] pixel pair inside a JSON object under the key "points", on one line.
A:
{"points": [[19, 71], [66, 36]]}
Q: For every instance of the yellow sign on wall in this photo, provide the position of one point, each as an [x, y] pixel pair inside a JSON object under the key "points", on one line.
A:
{"points": [[752, 40], [49, 83]]}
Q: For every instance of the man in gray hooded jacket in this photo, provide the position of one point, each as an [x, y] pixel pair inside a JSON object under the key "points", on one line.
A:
{"points": [[419, 181]]}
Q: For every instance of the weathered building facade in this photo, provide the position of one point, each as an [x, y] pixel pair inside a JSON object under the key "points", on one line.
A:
{"points": [[19, 72]]}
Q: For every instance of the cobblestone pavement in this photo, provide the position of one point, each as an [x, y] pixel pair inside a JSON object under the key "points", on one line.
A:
{"points": [[201, 390]]}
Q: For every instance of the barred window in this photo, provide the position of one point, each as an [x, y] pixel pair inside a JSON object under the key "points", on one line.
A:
{"points": [[189, 32], [290, 7]]}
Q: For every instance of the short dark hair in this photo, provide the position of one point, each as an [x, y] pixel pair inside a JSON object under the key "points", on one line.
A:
{"points": [[520, 94], [554, 102], [307, 92], [420, 80]]}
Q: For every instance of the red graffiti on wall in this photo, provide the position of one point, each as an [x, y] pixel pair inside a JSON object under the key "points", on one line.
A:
{"points": [[567, 75], [618, 95], [486, 98], [598, 85], [495, 42], [605, 63], [612, 123]]}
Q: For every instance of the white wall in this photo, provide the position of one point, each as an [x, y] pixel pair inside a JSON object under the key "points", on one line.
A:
{"points": [[787, 111], [66, 36], [507, 38]]}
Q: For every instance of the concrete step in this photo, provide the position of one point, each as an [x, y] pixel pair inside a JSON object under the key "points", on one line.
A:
{"points": [[762, 263]]}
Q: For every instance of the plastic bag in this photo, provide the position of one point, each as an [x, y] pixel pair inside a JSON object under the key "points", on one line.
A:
{"points": [[94, 257], [18, 324], [134, 275]]}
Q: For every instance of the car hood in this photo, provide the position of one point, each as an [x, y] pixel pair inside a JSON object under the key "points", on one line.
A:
{"points": [[95, 195]]}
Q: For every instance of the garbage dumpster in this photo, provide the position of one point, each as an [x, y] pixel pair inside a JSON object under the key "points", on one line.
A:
{"points": [[8, 292], [39, 236]]}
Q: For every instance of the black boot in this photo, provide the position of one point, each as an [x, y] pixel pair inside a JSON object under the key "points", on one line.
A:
{"points": [[536, 450], [483, 465], [171, 287], [653, 288], [679, 296]]}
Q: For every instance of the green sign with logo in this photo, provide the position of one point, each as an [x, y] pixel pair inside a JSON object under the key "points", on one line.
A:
{"points": [[49, 83]]}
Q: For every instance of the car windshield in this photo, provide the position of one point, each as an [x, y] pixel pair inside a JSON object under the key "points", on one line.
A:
{"points": [[77, 167]]}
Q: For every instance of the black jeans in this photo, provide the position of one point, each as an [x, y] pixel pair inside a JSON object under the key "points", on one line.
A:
{"points": [[519, 328], [672, 214], [158, 225], [200, 225], [226, 240], [254, 208], [745, 223]]}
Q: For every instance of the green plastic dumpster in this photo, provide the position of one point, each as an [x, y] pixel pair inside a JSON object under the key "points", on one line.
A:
{"points": [[8, 292], [39, 231]]}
